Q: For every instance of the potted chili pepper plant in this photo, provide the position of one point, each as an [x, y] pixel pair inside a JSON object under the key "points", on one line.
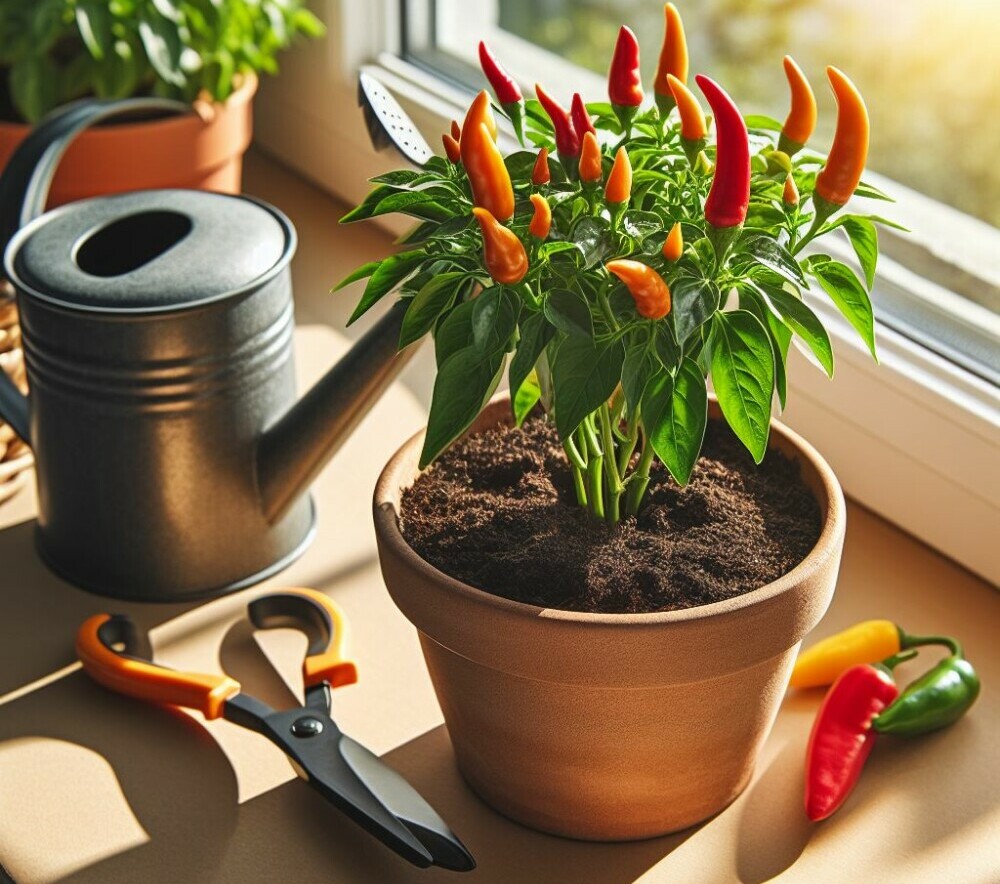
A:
{"points": [[610, 620], [206, 53]]}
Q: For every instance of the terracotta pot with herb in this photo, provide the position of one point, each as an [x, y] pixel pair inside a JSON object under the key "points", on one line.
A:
{"points": [[611, 570], [205, 53]]}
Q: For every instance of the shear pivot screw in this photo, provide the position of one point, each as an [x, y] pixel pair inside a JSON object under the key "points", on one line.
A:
{"points": [[307, 727]]}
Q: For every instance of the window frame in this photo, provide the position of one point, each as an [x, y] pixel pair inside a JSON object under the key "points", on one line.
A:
{"points": [[887, 430]]}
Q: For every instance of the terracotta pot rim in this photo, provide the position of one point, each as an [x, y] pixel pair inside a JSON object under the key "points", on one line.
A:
{"points": [[387, 525], [201, 113]]}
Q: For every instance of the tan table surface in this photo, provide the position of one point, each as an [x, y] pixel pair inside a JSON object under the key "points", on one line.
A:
{"points": [[97, 787]]}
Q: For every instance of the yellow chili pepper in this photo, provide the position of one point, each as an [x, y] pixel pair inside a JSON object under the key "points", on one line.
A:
{"points": [[866, 642], [648, 289], [488, 176], [503, 254], [541, 221], [801, 119], [842, 172], [673, 245], [673, 59], [590, 159], [619, 186], [452, 148], [790, 193]]}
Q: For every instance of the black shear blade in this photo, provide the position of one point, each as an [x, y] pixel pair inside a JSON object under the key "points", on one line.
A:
{"points": [[408, 806], [388, 124], [312, 743]]}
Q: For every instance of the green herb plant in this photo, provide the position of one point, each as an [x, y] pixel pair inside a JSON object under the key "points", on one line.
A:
{"points": [[621, 389], [54, 51]]}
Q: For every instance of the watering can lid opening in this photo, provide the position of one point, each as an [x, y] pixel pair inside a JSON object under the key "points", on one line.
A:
{"points": [[150, 251]]}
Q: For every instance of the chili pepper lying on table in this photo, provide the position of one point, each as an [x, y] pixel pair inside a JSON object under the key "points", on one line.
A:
{"points": [[935, 700], [865, 642], [842, 736]]}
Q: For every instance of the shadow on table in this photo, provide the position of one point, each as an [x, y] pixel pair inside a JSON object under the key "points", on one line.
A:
{"points": [[40, 613]]}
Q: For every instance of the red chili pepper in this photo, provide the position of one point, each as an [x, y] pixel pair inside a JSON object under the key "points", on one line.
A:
{"points": [[505, 88], [456, 130], [624, 77], [729, 196], [579, 116], [567, 138], [540, 174], [842, 736]]}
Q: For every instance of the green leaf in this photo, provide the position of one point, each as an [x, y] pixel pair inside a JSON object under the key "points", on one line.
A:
{"points": [[765, 249], [430, 302], [390, 272], [692, 301], [667, 349], [864, 240], [799, 317], [584, 376], [743, 377], [675, 414], [520, 164], [163, 45], [761, 121], [870, 191], [412, 202], [493, 320], [362, 272], [365, 208], [34, 86], [399, 177], [536, 333], [639, 366], [556, 246], [454, 332], [780, 336], [595, 239], [847, 292], [94, 24], [526, 398], [568, 311], [464, 384]]}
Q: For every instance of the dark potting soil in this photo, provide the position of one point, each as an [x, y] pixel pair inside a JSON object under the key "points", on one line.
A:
{"points": [[498, 511]]}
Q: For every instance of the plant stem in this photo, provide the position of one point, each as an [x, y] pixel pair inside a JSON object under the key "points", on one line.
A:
{"points": [[595, 468], [640, 481], [605, 304], [578, 486], [615, 487]]}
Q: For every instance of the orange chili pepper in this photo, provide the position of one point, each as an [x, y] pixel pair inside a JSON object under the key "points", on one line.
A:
{"points": [[619, 186], [488, 176], [801, 120], [693, 125], [590, 159], [503, 253], [540, 174], [842, 172], [673, 59], [541, 221], [480, 112], [790, 193], [648, 289], [452, 148], [456, 130], [673, 245]]}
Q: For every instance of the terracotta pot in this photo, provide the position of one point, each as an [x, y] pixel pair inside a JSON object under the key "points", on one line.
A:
{"points": [[202, 150], [608, 726]]}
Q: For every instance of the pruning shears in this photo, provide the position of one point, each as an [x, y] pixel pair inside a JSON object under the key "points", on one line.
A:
{"points": [[116, 654]]}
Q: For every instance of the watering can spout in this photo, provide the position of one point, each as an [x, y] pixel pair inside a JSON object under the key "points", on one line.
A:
{"points": [[292, 452]]}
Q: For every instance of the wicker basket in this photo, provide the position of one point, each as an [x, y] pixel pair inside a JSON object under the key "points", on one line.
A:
{"points": [[15, 457]]}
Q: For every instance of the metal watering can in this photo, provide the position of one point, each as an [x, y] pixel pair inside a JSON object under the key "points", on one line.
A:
{"points": [[173, 460]]}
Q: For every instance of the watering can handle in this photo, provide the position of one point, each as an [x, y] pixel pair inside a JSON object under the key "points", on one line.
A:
{"points": [[24, 190]]}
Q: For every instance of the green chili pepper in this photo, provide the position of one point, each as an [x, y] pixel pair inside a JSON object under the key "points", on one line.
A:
{"points": [[937, 699]]}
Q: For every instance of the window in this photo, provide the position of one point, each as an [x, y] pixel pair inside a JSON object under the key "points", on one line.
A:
{"points": [[926, 82]]}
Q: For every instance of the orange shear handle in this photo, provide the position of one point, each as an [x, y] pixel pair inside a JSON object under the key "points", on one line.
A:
{"points": [[128, 674], [325, 625]]}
